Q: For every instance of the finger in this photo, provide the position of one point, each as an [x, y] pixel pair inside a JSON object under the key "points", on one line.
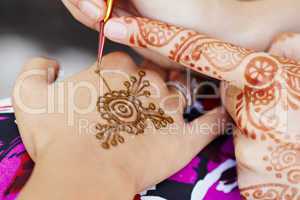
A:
{"points": [[229, 94], [182, 146], [123, 10], [33, 81], [286, 45], [30, 94], [205, 55], [158, 58], [179, 93], [40, 71], [88, 12], [202, 131], [149, 65]]}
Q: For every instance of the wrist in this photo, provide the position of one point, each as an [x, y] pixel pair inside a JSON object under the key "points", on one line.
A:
{"points": [[67, 178]]}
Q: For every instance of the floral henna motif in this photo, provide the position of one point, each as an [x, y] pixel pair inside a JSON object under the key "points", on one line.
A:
{"points": [[272, 88], [261, 71], [284, 161], [271, 192], [124, 112]]}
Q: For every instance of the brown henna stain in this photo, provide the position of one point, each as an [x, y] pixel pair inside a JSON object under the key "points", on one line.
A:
{"points": [[124, 112]]}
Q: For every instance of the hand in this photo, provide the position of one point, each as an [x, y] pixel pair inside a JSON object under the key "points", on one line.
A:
{"points": [[228, 20], [260, 91], [57, 122]]}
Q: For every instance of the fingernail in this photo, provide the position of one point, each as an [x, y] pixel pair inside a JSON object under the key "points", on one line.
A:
{"points": [[89, 9], [53, 69], [115, 30]]}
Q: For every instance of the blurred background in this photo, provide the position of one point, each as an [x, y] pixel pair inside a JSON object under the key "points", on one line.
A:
{"points": [[43, 28]]}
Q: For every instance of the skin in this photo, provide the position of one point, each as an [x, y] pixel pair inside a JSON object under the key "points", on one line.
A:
{"points": [[68, 157], [260, 91], [243, 27]]}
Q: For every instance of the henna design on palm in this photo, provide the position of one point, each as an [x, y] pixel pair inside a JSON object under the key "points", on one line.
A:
{"points": [[124, 112]]}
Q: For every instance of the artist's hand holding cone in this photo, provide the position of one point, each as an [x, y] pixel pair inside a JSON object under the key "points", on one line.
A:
{"points": [[227, 20]]}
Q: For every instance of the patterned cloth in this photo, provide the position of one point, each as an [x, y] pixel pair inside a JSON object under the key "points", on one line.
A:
{"points": [[209, 176]]}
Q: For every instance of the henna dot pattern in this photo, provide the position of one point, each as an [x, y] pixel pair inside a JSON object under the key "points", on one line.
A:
{"points": [[285, 162], [124, 111]]}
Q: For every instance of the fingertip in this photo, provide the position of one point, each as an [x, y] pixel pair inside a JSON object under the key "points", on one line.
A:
{"points": [[94, 11], [116, 30], [50, 66], [88, 13]]}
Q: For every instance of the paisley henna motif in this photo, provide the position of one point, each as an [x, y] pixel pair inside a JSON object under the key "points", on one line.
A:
{"points": [[270, 192], [284, 162], [153, 33], [254, 111], [124, 111], [218, 56], [191, 48]]}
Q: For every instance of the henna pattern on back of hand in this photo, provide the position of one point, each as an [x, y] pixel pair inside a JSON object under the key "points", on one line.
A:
{"points": [[124, 112]]}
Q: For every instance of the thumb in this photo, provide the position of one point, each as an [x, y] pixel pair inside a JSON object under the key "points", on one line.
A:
{"points": [[286, 45], [208, 127], [30, 96], [33, 81]]}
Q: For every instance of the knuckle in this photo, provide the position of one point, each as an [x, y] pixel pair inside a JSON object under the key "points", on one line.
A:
{"points": [[118, 60], [39, 62], [34, 61]]}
